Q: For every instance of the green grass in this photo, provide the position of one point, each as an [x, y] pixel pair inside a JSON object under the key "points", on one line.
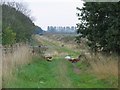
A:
{"points": [[56, 74], [37, 74]]}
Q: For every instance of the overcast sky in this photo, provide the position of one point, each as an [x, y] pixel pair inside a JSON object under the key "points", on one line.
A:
{"points": [[54, 12]]}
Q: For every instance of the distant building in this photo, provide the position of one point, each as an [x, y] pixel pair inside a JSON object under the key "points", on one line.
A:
{"points": [[61, 29]]}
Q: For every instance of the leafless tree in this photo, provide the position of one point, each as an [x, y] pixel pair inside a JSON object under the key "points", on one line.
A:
{"points": [[19, 6]]}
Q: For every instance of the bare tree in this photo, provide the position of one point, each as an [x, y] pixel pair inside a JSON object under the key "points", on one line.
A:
{"points": [[19, 6]]}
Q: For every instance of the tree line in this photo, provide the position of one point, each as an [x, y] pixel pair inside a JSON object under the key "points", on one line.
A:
{"points": [[100, 23], [17, 25]]}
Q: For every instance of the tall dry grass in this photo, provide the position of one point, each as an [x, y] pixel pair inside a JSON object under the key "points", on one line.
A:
{"points": [[103, 66], [21, 55]]}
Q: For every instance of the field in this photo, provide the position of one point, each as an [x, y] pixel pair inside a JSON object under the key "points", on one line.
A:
{"points": [[60, 73]]}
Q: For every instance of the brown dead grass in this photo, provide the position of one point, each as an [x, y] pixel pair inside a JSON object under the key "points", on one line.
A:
{"points": [[100, 65], [103, 66], [11, 61]]}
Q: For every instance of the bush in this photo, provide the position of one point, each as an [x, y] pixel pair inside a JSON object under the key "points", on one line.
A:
{"points": [[8, 36]]}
